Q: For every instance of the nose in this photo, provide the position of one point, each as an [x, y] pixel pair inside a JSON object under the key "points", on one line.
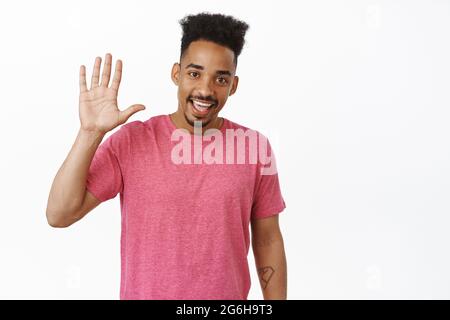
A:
{"points": [[205, 89]]}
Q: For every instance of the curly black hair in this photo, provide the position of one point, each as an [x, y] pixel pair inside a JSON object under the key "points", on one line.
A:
{"points": [[218, 28]]}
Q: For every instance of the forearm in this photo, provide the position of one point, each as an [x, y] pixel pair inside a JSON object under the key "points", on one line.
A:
{"points": [[270, 259], [68, 188]]}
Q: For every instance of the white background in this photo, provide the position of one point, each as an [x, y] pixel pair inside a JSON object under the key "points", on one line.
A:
{"points": [[353, 95]]}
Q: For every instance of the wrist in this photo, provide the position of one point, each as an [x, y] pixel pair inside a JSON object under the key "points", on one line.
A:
{"points": [[91, 132], [92, 136]]}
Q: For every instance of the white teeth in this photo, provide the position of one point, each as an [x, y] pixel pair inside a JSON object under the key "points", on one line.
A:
{"points": [[201, 104]]}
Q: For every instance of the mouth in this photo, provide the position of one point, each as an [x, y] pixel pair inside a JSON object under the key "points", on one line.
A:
{"points": [[201, 107]]}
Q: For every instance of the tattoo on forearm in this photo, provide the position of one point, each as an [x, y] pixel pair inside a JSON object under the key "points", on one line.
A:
{"points": [[265, 274]]}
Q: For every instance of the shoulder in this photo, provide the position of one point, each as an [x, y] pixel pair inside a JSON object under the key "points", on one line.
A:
{"points": [[234, 126], [259, 145], [135, 128], [124, 132]]}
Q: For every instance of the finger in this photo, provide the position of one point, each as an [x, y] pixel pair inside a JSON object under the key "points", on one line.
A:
{"points": [[124, 115], [83, 87], [106, 70], [96, 72], [117, 76]]}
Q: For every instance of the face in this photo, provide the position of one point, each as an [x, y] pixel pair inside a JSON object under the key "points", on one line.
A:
{"points": [[205, 78]]}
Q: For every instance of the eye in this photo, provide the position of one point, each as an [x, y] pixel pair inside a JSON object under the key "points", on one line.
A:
{"points": [[193, 74], [222, 80]]}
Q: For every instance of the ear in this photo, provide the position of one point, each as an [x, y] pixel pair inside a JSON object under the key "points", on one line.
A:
{"points": [[234, 85], [175, 74]]}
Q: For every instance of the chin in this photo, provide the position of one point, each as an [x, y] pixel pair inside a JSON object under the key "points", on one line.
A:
{"points": [[202, 120]]}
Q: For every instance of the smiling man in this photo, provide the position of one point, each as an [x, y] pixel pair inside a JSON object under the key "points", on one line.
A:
{"points": [[185, 226], [213, 63]]}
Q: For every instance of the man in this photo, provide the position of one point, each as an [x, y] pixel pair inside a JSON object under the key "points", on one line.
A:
{"points": [[185, 219]]}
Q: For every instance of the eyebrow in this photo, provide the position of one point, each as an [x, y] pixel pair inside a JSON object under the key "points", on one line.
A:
{"points": [[196, 66]]}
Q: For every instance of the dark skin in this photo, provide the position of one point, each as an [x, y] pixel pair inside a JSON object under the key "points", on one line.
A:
{"points": [[206, 72]]}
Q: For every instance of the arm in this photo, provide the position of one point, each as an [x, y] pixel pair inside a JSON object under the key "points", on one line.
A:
{"points": [[270, 258], [69, 200], [68, 192]]}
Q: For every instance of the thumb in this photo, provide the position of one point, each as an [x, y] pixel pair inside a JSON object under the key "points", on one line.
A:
{"points": [[125, 114]]}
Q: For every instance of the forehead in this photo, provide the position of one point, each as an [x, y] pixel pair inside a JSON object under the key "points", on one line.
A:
{"points": [[209, 55]]}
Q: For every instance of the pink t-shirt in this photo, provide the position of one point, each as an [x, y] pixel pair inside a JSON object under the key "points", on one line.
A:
{"points": [[185, 226]]}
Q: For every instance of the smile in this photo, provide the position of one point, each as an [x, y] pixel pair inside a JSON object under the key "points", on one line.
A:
{"points": [[201, 107]]}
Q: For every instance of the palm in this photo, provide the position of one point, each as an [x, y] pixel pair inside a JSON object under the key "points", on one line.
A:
{"points": [[98, 106], [98, 109]]}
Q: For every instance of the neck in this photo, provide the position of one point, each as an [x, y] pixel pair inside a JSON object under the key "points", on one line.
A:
{"points": [[180, 122]]}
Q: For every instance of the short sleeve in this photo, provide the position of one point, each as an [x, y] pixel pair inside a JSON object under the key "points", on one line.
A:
{"points": [[268, 200], [104, 178]]}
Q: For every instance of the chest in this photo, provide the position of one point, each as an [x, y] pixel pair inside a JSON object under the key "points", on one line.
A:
{"points": [[164, 181]]}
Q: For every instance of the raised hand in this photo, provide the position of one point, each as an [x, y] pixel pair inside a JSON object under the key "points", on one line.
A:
{"points": [[98, 105]]}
